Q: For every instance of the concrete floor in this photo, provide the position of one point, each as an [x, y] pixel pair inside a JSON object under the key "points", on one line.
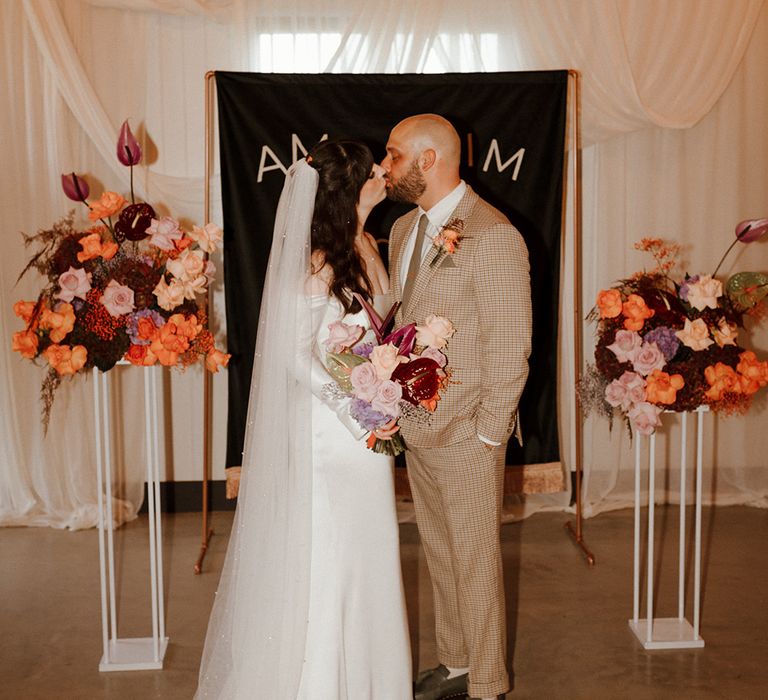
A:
{"points": [[568, 630]]}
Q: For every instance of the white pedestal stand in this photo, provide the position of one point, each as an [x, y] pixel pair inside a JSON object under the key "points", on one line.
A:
{"points": [[146, 652], [669, 632]]}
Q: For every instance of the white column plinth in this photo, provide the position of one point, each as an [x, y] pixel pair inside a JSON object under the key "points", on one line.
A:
{"points": [[668, 632], [144, 653]]}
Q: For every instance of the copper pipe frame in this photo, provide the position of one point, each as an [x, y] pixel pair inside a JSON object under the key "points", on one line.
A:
{"points": [[575, 530], [207, 531]]}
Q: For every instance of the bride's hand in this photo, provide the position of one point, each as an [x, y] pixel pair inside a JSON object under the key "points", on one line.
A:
{"points": [[385, 432]]}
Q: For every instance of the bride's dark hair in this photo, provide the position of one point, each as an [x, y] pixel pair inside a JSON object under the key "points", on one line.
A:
{"points": [[344, 167]]}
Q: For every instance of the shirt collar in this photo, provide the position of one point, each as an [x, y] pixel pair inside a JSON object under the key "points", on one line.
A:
{"points": [[439, 213]]}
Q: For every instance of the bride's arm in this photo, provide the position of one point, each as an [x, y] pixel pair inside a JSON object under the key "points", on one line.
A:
{"points": [[317, 292]]}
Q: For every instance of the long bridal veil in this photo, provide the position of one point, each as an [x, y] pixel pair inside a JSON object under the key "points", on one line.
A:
{"points": [[257, 632]]}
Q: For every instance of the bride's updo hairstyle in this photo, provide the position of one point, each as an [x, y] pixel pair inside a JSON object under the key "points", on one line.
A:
{"points": [[344, 167]]}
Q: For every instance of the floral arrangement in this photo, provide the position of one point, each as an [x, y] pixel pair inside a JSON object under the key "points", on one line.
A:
{"points": [[664, 344], [125, 288], [448, 240], [403, 372]]}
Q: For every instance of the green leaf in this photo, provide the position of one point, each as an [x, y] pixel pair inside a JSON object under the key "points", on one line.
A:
{"points": [[747, 289], [340, 365]]}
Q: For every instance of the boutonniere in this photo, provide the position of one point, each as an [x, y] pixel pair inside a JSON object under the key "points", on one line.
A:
{"points": [[448, 240]]}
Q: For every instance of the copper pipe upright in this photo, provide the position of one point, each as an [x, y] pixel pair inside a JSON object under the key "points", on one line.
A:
{"points": [[576, 530], [207, 531]]}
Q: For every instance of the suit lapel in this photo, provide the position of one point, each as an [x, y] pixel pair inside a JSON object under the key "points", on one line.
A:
{"points": [[427, 269]]}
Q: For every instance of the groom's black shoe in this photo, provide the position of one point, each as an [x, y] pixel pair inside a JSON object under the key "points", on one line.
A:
{"points": [[434, 684]]}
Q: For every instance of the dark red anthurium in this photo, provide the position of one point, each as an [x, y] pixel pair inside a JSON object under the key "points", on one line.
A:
{"points": [[134, 221], [75, 187], [128, 149], [419, 379]]}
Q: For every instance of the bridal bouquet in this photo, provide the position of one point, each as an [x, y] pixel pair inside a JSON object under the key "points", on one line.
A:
{"points": [[671, 344], [125, 288], [403, 372]]}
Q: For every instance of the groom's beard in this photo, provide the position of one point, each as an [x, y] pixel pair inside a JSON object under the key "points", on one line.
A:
{"points": [[409, 187]]}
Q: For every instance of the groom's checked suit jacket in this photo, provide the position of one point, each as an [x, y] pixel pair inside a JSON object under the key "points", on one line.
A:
{"points": [[483, 288]]}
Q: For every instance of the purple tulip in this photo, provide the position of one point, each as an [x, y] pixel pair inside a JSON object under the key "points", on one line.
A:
{"points": [[128, 149], [75, 187], [751, 229]]}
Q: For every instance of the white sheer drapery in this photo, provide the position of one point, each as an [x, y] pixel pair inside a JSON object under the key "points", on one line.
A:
{"points": [[673, 93]]}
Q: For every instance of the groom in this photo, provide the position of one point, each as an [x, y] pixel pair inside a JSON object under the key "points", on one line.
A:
{"points": [[456, 461]]}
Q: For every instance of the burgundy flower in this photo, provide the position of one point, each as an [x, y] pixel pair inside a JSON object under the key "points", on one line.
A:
{"points": [[128, 149], [419, 379], [75, 187], [134, 221]]}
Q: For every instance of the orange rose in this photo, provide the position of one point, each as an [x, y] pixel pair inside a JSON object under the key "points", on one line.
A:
{"points": [[609, 303], [141, 355], [179, 246], [59, 322], [636, 312], [94, 247], [25, 343], [661, 387], [66, 360], [186, 325], [24, 310], [109, 203], [146, 328], [168, 344], [108, 250], [215, 359], [721, 378], [753, 373]]}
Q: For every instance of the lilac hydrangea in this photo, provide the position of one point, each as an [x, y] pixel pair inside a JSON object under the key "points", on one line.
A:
{"points": [[666, 339], [685, 285], [369, 419], [132, 327], [363, 350]]}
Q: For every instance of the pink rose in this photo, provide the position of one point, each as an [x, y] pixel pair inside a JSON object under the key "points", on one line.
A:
{"points": [[188, 266], [210, 271], [169, 296], [703, 293], [695, 334], [207, 237], [625, 345], [625, 391], [387, 399], [385, 359], [342, 335], [164, 232], [365, 381], [648, 358], [434, 354], [117, 299], [75, 282], [435, 332], [645, 417], [192, 287]]}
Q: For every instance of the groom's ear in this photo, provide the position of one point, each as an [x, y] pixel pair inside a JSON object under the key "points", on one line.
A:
{"points": [[427, 159]]}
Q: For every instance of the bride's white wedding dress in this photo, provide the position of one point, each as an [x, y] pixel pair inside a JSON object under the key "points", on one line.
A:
{"points": [[357, 645]]}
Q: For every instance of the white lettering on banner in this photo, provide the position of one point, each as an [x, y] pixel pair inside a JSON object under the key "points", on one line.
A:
{"points": [[493, 151], [297, 151], [277, 165]]}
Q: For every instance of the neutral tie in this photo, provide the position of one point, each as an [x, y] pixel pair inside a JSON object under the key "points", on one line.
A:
{"points": [[415, 264]]}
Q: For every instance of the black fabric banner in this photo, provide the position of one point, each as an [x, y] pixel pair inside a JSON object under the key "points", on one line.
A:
{"points": [[512, 127]]}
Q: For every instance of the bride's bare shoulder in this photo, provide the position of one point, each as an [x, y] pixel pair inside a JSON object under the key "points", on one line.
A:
{"points": [[320, 277]]}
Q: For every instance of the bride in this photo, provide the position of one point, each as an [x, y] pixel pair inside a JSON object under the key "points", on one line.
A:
{"points": [[310, 603]]}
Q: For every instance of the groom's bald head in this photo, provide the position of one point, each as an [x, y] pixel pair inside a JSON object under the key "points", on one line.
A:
{"points": [[423, 149]]}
